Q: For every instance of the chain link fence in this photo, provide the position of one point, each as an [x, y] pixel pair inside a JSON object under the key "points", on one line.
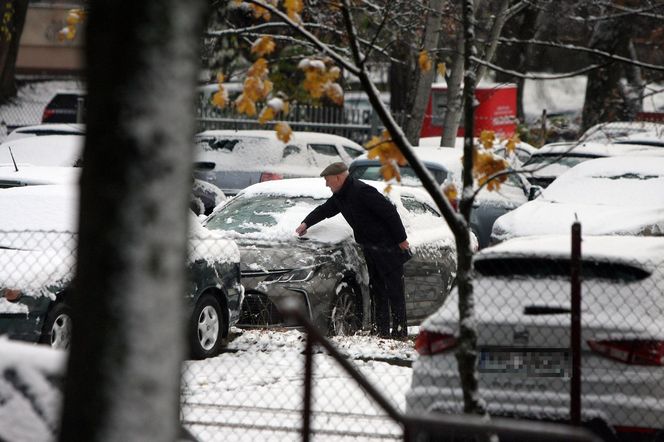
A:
{"points": [[248, 383]]}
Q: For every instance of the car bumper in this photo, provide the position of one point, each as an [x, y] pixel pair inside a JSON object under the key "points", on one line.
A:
{"points": [[21, 326], [622, 397]]}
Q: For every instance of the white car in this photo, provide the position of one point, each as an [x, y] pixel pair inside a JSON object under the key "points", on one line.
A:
{"points": [[26, 175], [235, 159], [552, 160], [523, 316], [45, 150], [46, 129], [613, 131], [610, 196]]}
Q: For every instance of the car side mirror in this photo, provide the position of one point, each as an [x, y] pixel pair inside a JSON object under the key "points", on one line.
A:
{"points": [[534, 192]]}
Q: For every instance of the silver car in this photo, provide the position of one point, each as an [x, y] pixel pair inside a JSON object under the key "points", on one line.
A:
{"points": [[235, 159], [523, 316]]}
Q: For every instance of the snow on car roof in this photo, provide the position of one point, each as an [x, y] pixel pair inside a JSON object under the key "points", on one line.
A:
{"points": [[46, 150], [296, 137], [642, 249], [597, 149], [633, 181], [54, 208]]}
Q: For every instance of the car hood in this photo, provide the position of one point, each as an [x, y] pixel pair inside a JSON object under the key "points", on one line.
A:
{"points": [[264, 256], [542, 217]]}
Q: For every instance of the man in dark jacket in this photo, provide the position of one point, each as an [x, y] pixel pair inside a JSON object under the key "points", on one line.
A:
{"points": [[381, 235]]}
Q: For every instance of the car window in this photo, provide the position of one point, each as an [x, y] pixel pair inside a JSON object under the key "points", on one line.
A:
{"points": [[536, 267], [408, 175], [353, 152], [417, 207], [325, 149]]}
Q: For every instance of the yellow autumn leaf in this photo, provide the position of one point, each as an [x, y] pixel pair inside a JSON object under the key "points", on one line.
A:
{"points": [[442, 69], [220, 78], [285, 108], [424, 61], [253, 88], [486, 164], [263, 46], [258, 69], [487, 138], [67, 33], [294, 9], [260, 12], [452, 194], [284, 131], [388, 188], [220, 98], [267, 114], [389, 172], [75, 16], [245, 105], [512, 141], [267, 87]]}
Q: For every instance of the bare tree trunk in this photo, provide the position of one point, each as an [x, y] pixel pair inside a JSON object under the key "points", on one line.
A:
{"points": [[11, 28], [454, 96], [467, 353], [454, 101], [413, 125], [128, 343]]}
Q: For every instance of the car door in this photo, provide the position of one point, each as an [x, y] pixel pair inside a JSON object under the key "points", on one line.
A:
{"points": [[429, 274]]}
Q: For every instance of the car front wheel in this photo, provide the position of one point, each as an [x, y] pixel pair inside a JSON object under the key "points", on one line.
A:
{"points": [[206, 328], [345, 317], [58, 327]]}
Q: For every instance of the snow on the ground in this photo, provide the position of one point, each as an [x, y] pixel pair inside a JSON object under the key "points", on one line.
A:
{"points": [[255, 390]]}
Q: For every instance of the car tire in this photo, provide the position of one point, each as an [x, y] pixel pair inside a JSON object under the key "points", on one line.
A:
{"points": [[207, 327], [58, 326], [345, 314]]}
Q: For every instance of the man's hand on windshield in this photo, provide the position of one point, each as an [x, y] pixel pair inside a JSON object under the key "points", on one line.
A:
{"points": [[404, 245], [301, 229]]}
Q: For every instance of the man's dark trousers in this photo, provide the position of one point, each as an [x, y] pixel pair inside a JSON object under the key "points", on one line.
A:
{"points": [[387, 289]]}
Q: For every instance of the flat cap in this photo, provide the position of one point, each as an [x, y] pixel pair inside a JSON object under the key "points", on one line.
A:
{"points": [[334, 169]]}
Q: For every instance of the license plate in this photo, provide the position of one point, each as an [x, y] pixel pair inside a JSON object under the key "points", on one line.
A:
{"points": [[549, 363]]}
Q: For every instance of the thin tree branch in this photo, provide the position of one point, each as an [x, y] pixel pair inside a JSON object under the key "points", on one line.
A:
{"points": [[539, 77], [585, 49]]}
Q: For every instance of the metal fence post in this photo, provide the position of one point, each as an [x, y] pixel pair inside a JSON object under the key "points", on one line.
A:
{"points": [[308, 374], [575, 390], [80, 106]]}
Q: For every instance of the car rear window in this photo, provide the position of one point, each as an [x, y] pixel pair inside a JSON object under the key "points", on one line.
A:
{"points": [[534, 267], [64, 101]]}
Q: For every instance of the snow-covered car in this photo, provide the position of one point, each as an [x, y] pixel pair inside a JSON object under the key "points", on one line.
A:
{"points": [[521, 153], [552, 160], [37, 249], [616, 131], [324, 272], [610, 196], [45, 150], [235, 159], [445, 164], [37, 175], [523, 320], [46, 129]]}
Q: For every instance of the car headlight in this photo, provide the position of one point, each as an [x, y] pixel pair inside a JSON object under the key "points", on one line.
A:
{"points": [[295, 275]]}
